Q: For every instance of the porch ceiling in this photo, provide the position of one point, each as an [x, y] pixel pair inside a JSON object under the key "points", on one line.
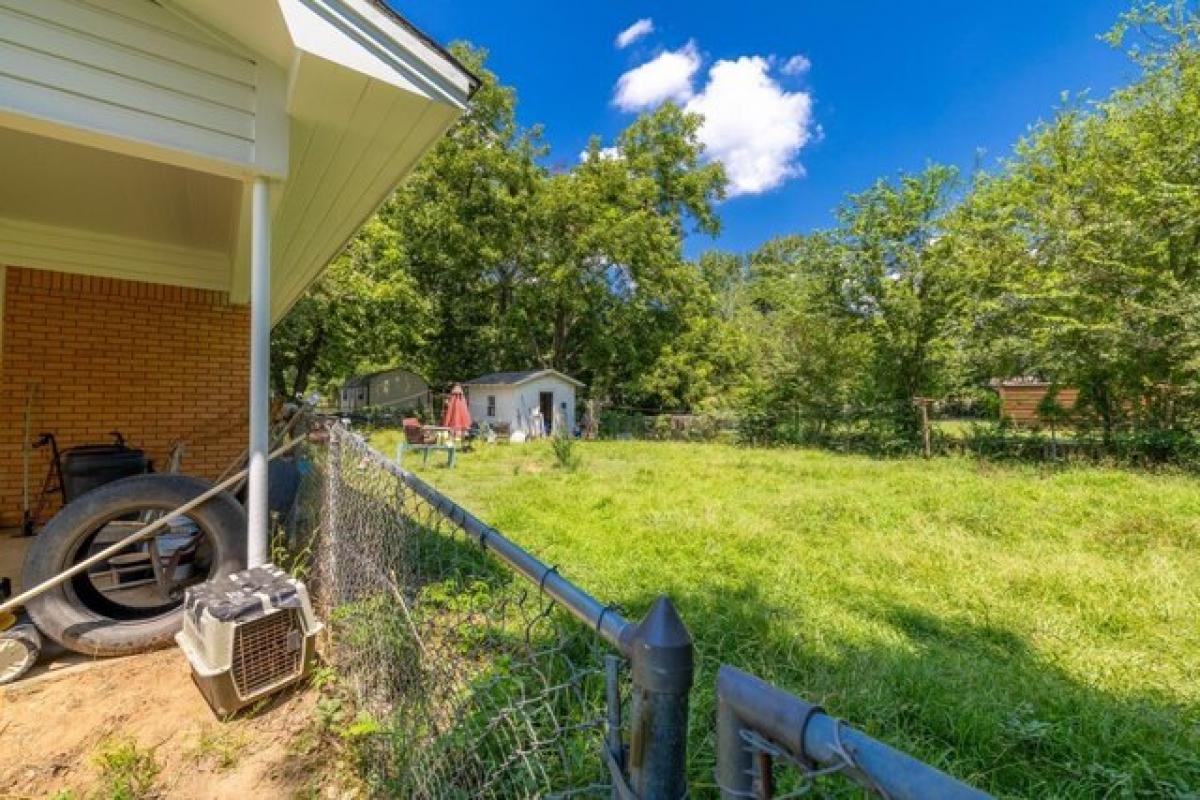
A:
{"points": [[72, 208]]}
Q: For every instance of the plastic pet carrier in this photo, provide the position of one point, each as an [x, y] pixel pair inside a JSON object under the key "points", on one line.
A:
{"points": [[247, 635]]}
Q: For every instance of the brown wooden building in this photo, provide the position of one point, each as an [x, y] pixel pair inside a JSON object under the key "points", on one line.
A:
{"points": [[1019, 399]]}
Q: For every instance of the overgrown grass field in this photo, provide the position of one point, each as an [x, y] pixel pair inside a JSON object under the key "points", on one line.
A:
{"points": [[1035, 632]]}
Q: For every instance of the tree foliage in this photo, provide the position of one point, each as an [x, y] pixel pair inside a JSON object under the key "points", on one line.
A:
{"points": [[365, 312], [1076, 260], [1085, 247], [485, 259]]}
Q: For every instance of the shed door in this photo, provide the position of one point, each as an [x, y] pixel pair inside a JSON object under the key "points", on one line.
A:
{"points": [[546, 405]]}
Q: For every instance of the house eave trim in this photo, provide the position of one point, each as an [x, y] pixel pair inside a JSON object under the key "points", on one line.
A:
{"points": [[401, 47]]}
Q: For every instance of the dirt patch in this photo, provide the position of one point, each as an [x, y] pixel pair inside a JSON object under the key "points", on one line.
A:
{"points": [[56, 730]]}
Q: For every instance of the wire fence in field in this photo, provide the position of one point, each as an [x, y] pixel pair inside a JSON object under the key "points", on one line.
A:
{"points": [[924, 426], [468, 681], [618, 423]]}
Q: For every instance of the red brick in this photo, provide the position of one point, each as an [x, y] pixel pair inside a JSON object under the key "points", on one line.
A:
{"points": [[108, 355]]}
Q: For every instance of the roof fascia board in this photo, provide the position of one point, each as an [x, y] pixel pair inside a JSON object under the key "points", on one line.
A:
{"points": [[376, 46], [533, 376], [544, 372]]}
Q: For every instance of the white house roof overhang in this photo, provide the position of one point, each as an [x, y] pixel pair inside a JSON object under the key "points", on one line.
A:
{"points": [[519, 378], [131, 132]]}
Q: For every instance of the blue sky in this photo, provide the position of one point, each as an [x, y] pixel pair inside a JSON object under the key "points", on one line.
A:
{"points": [[889, 85]]}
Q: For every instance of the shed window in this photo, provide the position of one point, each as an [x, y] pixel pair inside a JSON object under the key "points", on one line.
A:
{"points": [[491, 405]]}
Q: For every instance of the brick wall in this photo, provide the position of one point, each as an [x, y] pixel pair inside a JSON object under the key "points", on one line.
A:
{"points": [[154, 362]]}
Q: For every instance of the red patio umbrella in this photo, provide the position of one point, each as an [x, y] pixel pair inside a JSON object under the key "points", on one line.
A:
{"points": [[457, 418]]}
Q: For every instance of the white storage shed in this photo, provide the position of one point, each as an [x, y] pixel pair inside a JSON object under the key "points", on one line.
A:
{"points": [[523, 400]]}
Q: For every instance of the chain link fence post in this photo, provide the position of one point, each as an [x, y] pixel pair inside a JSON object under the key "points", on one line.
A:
{"points": [[662, 658], [331, 522]]}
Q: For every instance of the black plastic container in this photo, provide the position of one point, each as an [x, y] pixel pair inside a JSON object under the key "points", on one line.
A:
{"points": [[91, 465]]}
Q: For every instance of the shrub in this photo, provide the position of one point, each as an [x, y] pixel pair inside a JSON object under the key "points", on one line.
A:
{"points": [[565, 454]]}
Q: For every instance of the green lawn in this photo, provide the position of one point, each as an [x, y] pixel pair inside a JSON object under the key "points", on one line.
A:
{"points": [[1034, 632]]}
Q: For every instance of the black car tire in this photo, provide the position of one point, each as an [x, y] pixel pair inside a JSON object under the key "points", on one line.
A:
{"points": [[62, 614]]}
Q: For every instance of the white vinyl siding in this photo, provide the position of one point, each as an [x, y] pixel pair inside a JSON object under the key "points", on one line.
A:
{"points": [[130, 69], [528, 396]]}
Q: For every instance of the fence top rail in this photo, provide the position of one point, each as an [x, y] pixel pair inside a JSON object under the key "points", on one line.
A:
{"points": [[606, 620], [811, 737]]}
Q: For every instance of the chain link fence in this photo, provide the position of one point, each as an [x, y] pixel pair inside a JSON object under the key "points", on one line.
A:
{"points": [[476, 670], [468, 681]]}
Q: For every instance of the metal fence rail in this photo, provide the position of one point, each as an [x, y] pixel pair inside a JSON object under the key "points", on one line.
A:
{"points": [[760, 726], [476, 669]]}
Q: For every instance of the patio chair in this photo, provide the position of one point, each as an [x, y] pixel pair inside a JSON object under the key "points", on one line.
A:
{"points": [[419, 439]]}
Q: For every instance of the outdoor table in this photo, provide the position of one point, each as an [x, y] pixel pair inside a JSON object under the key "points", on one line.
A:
{"points": [[449, 446]]}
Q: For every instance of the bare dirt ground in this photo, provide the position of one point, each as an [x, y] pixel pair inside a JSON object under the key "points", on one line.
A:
{"points": [[159, 736]]}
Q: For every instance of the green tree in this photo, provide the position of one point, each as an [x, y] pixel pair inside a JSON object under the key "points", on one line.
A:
{"points": [[893, 276], [609, 289], [430, 281], [1085, 248], [463, 218], [819, 354], [710, 360], [483, 259], [364, 313], [663, 147]]}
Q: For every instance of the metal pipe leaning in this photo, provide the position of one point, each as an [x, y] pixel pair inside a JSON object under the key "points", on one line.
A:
{"points": [[138, 535], [809, 735]]}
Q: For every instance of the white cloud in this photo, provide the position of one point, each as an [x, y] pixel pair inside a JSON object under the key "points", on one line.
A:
{"points": [[606, 154], [796, 65], [751, 125], [634, 32], [667, 77]]}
